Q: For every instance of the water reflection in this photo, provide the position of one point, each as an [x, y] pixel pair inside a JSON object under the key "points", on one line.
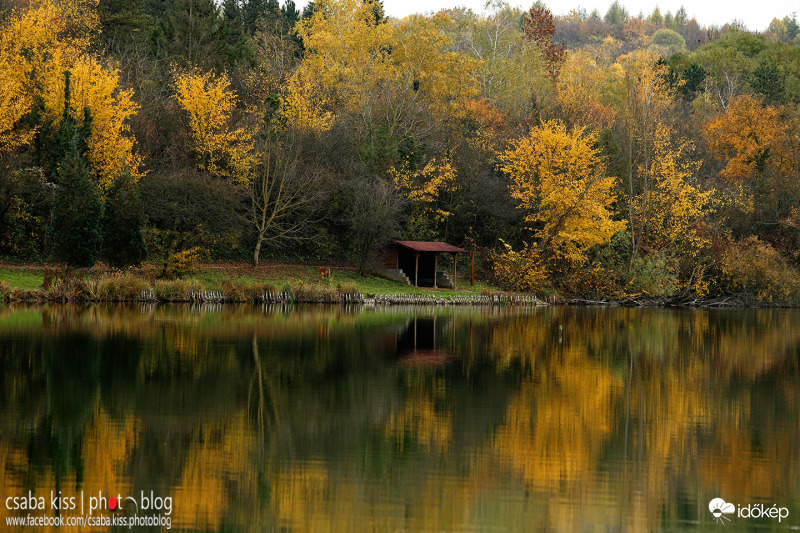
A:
{"points": [[330, 418]]}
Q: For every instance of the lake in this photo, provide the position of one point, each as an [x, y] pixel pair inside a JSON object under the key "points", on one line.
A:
{"points": [[327, 418]]}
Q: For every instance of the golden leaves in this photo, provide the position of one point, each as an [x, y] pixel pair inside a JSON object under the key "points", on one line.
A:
{"points": [[521, 271], [673, 206], [429, 189], [223, 150], [382, 71], [581, 85], [304, 108], [37, 46], [426, 186], [559, 179], [96, 88], [15, 103]]}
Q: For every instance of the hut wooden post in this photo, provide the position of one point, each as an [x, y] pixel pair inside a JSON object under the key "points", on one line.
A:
{"points": [[416, 269], [435, 268], [455, 269], [472, 267]]}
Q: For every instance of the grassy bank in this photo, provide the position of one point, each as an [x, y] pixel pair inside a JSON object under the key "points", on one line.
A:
{"points": [[229, 282]]}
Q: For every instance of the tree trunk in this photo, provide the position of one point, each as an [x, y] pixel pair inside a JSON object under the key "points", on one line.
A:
{"points": [[258, 248]]}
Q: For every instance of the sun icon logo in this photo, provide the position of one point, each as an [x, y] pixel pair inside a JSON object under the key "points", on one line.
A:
{"points": [[719, 508]]}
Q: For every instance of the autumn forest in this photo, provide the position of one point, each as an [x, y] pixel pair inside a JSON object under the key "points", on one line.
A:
{"points": [[593, 155]]}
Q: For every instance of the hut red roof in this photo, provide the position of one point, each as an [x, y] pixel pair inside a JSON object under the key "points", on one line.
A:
{"points": [[423, 246]]}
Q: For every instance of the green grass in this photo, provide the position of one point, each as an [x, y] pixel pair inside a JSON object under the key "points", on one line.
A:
{"points": [[377, 285], [22, 278], [212, 277], [291, 274]]}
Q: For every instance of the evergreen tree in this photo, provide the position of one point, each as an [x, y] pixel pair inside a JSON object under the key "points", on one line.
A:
{"points": [[290, 15], [792, 28], [74, 235], [669, 20], [310, 9], [377, 10], [123, 20], [693, 78], [232, 17], [681, 19], [236, 37], [768, 82], [655, 18], [616, 14], [255, 10], [123, 218], [193, 32]]}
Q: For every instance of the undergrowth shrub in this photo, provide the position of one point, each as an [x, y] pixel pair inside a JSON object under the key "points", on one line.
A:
{"points": [[240, 291], [176, 290], [120, 287], [67, 289], [752, 269], [653, 276], [519, 271], [311, 292], [349, 288], [182, 263]]}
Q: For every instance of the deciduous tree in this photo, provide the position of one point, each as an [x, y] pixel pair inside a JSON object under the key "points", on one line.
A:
{"points": [[430, 191], [559, 178], [40, 43], [537, 26], [647, 103], [283, 194], [222, 148]]}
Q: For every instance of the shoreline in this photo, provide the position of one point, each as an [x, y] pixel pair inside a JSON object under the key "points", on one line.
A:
{"points": [[388, 300], [342, 298], [294, 283]]}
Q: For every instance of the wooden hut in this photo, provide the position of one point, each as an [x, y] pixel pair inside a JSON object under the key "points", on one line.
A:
{"points": [[419, 262]]}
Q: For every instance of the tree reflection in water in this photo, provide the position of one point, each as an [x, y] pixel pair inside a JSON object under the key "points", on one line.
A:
{"points": [[324, 418]]}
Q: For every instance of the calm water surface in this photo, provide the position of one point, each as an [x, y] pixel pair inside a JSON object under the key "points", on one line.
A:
{"points": [[246, 418]]}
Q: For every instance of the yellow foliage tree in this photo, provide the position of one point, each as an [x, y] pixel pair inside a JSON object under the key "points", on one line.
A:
{"points": [[392, 77], [668, 213], [580, 84], [560, 180], [427, 68], [656, 170], [304, 108], [671, 207], [37, 45], [346, 50], [15, 103], [96, 88], [223, 150], [429, 189]]}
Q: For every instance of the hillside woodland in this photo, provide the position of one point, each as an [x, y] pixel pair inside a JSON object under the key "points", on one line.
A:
{"points": [[598, 155]]}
